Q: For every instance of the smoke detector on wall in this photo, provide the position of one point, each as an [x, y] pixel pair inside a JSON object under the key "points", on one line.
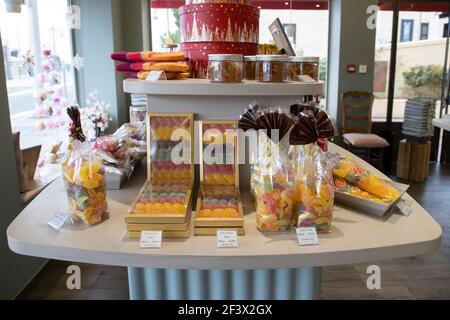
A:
{"points": [[14, 6]]}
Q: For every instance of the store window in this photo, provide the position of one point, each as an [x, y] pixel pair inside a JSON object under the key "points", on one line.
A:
{"points": [[406, 31], [37, 55], [424, 31], [419, 65]]}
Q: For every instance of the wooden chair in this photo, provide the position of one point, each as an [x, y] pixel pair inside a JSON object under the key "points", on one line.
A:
{"points": [[357, 125]]}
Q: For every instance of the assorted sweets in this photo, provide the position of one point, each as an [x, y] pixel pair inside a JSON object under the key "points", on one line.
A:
{"points": [[226, 68], [267, 48], [250, 67], [300, 66], [313, 174], [164, 203], [219, 153], [314, 188], [162, 199], [217, 204], [140, 64], [272, 180], [272, 68], [275, 208], [356, 175], [219, 207], [84, 176], [170, 149], [342, 186]]}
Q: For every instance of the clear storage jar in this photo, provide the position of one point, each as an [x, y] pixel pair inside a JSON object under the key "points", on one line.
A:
{"points": [[272, 68], [226, 68], [138, 114], [309, 66], [250, 67]]}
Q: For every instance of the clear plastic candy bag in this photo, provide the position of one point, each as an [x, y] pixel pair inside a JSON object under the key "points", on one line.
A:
{"points": [[84, 177], [314, 187], [274, 189], [313, 175]]}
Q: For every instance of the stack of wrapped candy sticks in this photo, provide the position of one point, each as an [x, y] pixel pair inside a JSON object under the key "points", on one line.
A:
{"points": [[140, 64]]}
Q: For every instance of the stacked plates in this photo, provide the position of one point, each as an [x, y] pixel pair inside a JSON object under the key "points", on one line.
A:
{"points": [[419, 114]]}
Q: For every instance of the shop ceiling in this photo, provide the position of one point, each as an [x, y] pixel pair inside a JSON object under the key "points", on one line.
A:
{"points": [[416, 5]]}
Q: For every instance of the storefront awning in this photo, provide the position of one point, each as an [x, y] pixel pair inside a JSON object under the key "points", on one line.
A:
{"points": [[414, 5]]}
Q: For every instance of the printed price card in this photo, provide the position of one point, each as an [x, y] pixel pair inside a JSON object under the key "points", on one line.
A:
{"points": [[227, 239], [151, 239], [307, 236], [58, 220]]}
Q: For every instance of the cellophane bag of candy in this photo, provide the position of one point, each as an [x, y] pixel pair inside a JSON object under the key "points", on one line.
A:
{"points": [[274, 187], [356, 175], [84, 177], [313, 176], [314, 188]]}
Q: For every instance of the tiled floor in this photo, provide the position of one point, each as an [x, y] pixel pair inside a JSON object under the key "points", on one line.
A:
{"points": [[423, 277]]}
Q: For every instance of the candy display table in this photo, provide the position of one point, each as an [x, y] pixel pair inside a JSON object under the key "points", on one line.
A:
{"points": [[264, 266]]}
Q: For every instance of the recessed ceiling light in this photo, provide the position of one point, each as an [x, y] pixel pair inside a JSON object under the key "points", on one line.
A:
{"points": [[286, 3], [317, 5]]}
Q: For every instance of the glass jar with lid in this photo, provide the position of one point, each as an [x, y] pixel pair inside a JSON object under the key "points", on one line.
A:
{"points": [[304, 66], [250, 67], [226, 68], [272, 68]]}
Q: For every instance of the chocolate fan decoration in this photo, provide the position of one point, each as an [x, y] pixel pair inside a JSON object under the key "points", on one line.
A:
{"points": [[274, 120], [248, 119], [311, 124], [75, 130]]}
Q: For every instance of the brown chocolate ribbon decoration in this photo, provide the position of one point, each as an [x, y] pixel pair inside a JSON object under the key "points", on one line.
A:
{"points": [[75, 130], [248, 119], [311, 124], [275, 120]]}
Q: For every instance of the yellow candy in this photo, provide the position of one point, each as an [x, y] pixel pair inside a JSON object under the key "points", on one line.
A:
{"points": [[229, 179], [139, 208], [207, 213], [219, 212]]}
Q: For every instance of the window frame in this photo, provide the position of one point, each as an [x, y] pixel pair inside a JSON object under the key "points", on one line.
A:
{"points": [[403, 24], [424, 36]]}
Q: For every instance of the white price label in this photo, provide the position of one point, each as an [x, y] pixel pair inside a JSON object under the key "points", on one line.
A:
{"points": [[404, 208], [151, 240], [156, 76], [227, 239], [306, 78], [307, 236], [58, 220]]}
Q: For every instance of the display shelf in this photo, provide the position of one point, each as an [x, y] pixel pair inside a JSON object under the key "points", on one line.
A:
{"points": [[356, 238], [202, 87]]}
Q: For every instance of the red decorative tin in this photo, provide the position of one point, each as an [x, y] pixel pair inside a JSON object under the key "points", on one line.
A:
{"points": [[212, 28], [198, 52], [219, 22]]}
